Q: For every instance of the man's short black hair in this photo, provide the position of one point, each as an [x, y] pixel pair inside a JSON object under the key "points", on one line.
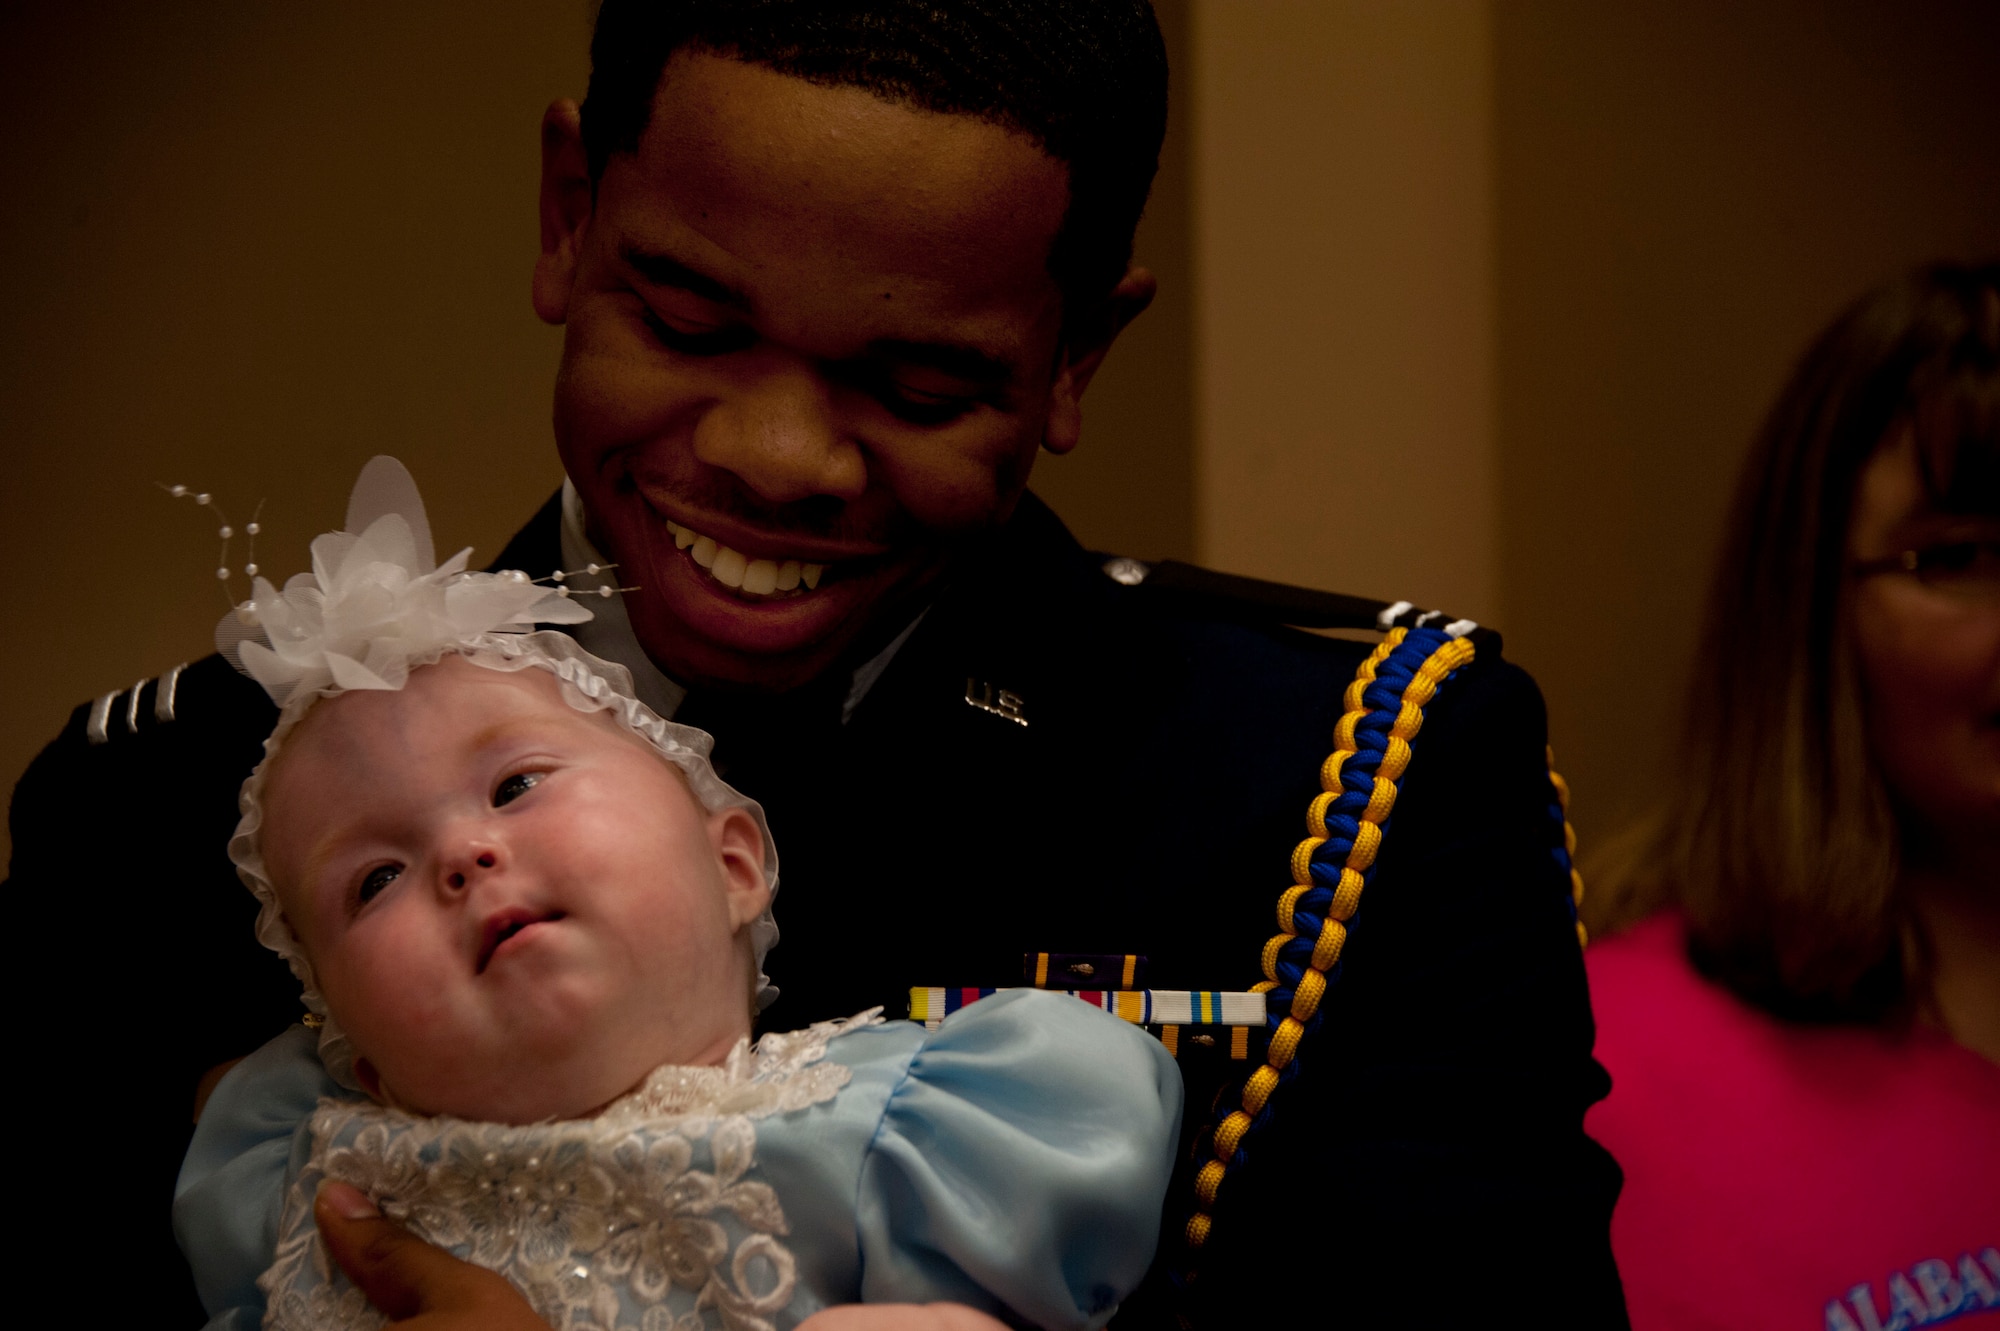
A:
{"points": [[1086, 79]]}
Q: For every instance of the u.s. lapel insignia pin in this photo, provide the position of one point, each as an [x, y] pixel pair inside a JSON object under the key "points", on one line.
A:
{"points": [[1000, 702]]}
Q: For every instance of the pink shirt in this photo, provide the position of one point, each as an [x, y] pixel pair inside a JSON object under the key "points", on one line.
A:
{"points": [[1778, 1175]]}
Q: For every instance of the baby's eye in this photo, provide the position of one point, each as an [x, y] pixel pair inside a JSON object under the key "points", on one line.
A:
{"points": [[515, 786], [378, 878]]}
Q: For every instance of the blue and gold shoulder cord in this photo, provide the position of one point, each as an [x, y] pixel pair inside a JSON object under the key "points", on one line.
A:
{"points": [[1383, 709], [1565, 854], [1382, 713]]}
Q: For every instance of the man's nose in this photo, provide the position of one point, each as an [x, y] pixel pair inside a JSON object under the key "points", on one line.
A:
{"points": [[779, 434]]}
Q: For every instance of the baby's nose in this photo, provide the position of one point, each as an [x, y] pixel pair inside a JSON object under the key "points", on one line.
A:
{"points": [[484, 860]]}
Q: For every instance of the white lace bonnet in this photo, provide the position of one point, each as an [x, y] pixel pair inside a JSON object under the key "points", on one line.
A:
{"points": [[378, 605]]}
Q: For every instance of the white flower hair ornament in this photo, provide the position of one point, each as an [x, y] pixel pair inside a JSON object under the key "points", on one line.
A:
{"points": [[376, 606]]}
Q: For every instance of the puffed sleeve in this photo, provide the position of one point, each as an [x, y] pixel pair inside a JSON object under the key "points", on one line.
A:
{"points": [[246, 1150], [1021, 1164]]}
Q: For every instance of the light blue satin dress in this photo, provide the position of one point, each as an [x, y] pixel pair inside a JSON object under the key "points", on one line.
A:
{"points": [[1015, 1160]]}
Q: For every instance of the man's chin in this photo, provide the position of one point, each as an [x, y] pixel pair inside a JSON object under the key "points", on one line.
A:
{"points": [[701, 634]]}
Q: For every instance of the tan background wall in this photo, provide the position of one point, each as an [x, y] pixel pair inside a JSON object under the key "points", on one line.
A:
{"points": [[246, 246], [1344, 322], [1528, 270]]}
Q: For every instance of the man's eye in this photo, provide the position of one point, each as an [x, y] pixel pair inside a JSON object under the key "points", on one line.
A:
{"points": [[923, 408], [710, 342], [378, 878], [918, 406], [514, 787]]}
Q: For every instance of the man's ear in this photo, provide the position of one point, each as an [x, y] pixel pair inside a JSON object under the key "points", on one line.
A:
{"points": [[566, 204], [1084, 349], [739, 846]]}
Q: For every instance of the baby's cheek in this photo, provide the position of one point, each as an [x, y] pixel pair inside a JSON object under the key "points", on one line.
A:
{"points": [[384, 1004]]}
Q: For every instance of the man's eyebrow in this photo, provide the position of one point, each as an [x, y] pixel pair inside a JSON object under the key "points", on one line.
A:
{"points": [[958, 359], [660, 270]]}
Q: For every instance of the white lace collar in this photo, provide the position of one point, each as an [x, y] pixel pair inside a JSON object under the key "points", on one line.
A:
{"points": [[783, 1071], [637, 1219]]}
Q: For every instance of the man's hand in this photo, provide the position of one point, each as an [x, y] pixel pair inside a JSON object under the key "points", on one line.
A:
{"points": [[418, 1287]]}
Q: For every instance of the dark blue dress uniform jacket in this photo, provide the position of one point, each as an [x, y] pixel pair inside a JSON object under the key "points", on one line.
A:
{"points": [[1427, 1166]]}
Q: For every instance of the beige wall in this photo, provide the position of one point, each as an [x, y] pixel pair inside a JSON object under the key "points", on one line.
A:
{"points": [[246, 246], [1520, 276], [1343, 280]]}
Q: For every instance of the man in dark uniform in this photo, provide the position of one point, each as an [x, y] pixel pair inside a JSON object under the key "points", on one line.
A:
{"points": [[831, 275]]}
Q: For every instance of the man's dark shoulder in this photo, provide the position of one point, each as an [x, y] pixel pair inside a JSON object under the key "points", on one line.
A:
{"points": [[1440, 1094], [128, 813], [200, 712], [1163, 731], [1193, 647], [146, 972], [158, 743]]}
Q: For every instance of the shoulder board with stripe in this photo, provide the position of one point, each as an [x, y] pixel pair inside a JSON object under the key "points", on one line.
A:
{"points": [[1257, 601]]}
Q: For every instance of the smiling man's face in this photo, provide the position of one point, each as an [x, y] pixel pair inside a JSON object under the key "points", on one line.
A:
{"points": [[812, 346]]}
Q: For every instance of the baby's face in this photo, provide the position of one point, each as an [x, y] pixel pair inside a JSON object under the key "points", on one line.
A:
{"points": [[515, 909]]}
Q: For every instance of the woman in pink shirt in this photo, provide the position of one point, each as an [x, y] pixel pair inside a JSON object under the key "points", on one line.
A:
{"points": [[1803, 1026]]}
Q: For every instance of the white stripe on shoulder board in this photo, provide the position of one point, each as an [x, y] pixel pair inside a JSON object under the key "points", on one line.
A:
{"points": [[163, 698], [99, 729], [132, 708]]}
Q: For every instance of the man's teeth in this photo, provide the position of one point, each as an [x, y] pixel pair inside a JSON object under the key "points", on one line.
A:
{"points": [[736, 570]]}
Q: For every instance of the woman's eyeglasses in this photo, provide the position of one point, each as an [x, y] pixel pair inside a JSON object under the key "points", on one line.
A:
{"points": [[1969, 570]]}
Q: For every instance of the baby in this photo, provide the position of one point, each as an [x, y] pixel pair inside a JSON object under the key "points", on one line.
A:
{"points": [[531, 920]]}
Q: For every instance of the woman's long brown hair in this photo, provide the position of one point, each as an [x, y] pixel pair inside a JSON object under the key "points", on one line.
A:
{"points": [[1778, 840]]}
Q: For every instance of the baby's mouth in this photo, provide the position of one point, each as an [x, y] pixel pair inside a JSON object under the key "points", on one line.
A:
{"points": [[757, 579], [503, 925]]}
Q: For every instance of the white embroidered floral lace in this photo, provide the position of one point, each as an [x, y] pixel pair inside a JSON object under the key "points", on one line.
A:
{"points": [[648, 1217]]}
